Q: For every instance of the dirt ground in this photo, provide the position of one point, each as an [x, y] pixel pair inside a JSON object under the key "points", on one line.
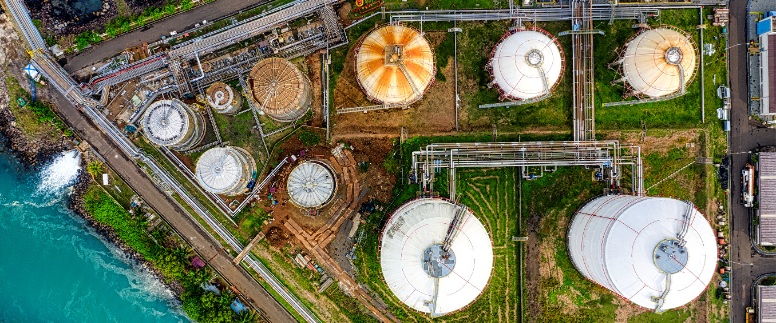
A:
{"points": [[532, 268], [434, 113], [343, 12], [314, 73], [376, 177], [277, 237]]}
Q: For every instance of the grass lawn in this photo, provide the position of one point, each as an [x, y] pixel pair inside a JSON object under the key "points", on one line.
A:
{"points": [[26, 119]]}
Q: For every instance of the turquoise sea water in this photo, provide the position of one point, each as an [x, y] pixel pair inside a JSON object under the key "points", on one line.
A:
{"points": [[53, 268]]}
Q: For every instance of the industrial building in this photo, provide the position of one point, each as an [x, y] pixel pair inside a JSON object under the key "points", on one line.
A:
{"points": [[223, 99], [766, 32], [766, 303], [173, 124], [658, 253], [311, 184], [280, 89], [526, 64], [227, 170], [435, 255], [658, 62], [394, 65], [766, 199]]}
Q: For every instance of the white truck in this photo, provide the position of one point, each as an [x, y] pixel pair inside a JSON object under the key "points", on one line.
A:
{"points": [[748, 185]]}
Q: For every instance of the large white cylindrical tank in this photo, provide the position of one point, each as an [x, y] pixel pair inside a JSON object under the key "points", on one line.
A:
{"points": [[422, 275], [516, 62], [650, 62], [631, 244], [311, 184], [173, 124], [226, 170]]}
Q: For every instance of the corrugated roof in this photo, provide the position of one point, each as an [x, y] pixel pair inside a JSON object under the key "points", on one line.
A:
{"points": [[766, 195], [766, 303], [771, 67]]}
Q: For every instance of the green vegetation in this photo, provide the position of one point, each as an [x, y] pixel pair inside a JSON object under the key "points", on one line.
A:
{"points": [[33, 118], [199, 304], [130, 229], [94, 168], [443, 53], [309, 138]]}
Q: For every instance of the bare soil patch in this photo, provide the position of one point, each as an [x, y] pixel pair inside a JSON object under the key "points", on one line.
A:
{"points": [[314, 72], [432, 114], [532, 269]]}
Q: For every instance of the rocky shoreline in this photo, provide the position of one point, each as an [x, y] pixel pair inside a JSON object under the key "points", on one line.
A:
{"points": [[33, 153], [77, 205]]}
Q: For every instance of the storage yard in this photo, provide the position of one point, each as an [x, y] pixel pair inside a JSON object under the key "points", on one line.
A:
{"points": [[402, 165]]}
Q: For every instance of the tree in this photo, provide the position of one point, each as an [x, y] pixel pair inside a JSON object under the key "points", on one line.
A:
{"points": [[209, 307], [167, 261], [94, 168]]}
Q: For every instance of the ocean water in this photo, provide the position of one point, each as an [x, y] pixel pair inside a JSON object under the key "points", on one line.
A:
{"points": [[53, 268]]}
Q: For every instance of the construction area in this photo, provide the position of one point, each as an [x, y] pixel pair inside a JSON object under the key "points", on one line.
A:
{"points": [[398, 165]]}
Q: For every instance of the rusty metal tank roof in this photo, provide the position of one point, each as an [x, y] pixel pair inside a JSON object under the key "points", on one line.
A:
{"points": [[280, 89], [395, 65]]}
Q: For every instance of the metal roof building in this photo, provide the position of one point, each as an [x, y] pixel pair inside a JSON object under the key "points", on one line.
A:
{"points": [[311, 184], [523, 60], [766, 303], [766, 31], [657, 253], [280, 89], [766, 198], [394, 65], [221, 97], [173, 124], [226, 170], [653, 59], [418, 269]]}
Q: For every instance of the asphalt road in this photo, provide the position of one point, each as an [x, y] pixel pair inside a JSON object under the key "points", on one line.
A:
{"points": [[186, 226], [153, 32], [747, 264]]}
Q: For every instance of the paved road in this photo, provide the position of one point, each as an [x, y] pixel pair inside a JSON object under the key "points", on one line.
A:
{"points": [[170, 211], [153, 32], [743, 138]]}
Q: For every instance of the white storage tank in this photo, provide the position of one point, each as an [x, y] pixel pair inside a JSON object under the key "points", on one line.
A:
{"points": [[420, 272], [311, 184], [519, 60], [226, 170], [659, 253], [651, 61], [173, 124]]}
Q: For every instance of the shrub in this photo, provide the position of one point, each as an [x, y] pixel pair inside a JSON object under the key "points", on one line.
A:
{"points": [[309, 138]]}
